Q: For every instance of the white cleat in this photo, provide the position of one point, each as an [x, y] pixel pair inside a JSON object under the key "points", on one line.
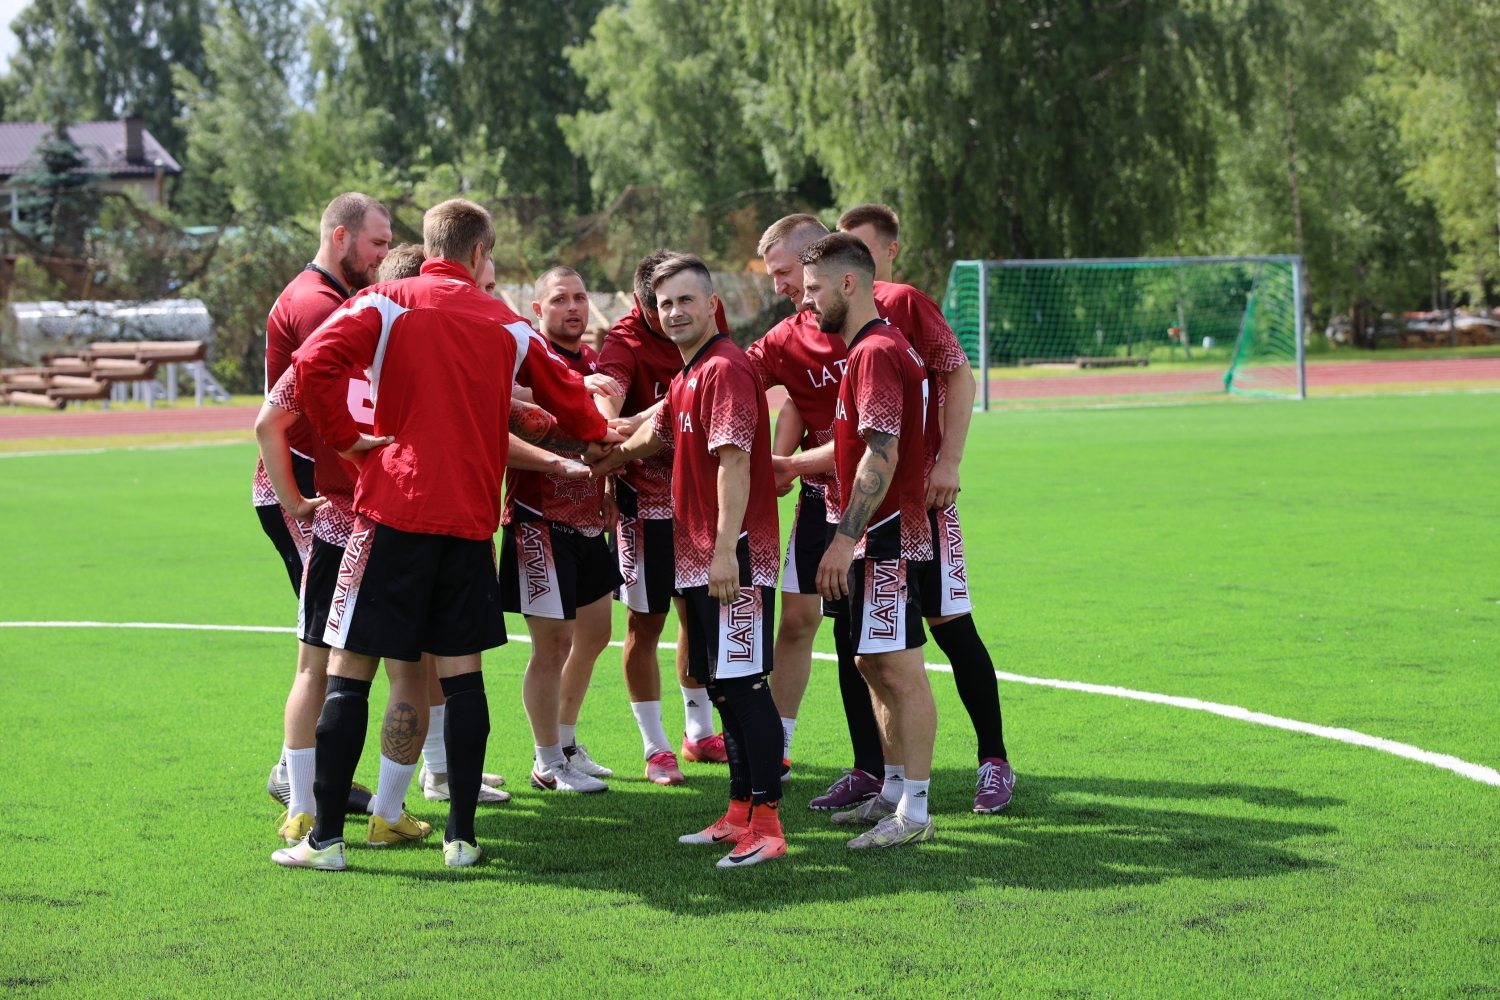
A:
{"points": [[435, 788], [457, 854], [566, 778], [580, 759], [304, 855]]}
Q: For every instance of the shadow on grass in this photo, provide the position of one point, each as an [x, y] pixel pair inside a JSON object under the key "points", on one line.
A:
{"points": [[1060, 833]]}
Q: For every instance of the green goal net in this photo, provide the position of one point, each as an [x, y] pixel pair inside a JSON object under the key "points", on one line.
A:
{"points": [[1143, 326]]}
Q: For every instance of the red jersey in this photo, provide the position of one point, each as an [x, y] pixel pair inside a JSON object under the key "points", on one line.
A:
{"points": [[885, 389], [303, 305], [332, 475], [717, 400], [644, 363], [574, 502], [442, 358], [810, 363]]}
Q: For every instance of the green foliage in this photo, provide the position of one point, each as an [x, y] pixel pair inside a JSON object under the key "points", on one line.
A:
{"points": [[111, 57], [1447, 87], [61, 202]]}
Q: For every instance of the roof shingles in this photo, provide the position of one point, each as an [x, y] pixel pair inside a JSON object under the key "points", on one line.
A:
{"points": [[102, 142]]}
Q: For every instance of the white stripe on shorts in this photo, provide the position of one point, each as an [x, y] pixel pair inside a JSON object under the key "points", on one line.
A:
{"points": [[953, 575], [741, 638], [882, 610], [540, 594]]}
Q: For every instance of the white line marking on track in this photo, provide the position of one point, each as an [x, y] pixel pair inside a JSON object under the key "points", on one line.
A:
{"points": [[1475, 772]]}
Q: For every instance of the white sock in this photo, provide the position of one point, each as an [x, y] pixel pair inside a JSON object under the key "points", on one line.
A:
{"points": [[395, 779], [700, 713], [434, 750], [569, 734], [551, 757], [788, 727], [913, 805], [895, 778], [648, 719], [301, 766]]}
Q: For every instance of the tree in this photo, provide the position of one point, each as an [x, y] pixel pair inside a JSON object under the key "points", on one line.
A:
{"points": [[64, 201], [111, 58], [1447, 82]]}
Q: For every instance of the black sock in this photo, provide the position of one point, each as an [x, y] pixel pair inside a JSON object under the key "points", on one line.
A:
{"points": [[974, 673], [341, 739], [734, 743], [859, 707], [746, 702], [466, 731]]}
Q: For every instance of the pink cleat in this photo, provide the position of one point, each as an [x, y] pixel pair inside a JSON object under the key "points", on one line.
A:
{"points": [[853, 788], [996, 781], [662, 769], [709, 751]]}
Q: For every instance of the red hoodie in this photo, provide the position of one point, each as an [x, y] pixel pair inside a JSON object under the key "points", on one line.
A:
{"points": [[442, 357]]}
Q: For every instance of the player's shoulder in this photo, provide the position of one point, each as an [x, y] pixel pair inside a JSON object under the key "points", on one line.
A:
{"points": [[308, 295], [625, 332], [894, 293]]}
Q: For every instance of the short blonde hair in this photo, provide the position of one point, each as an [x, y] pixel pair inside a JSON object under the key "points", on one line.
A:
{"points": [[784, 227], [453, 228]]}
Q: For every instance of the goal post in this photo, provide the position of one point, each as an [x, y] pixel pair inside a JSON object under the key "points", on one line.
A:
{"points": [[1131, 326]]}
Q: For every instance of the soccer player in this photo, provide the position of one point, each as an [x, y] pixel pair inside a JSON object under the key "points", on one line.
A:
{"points": [[874, 561], [354, 235], [642, 360], [945, 589], [555, 567], [332, 516], [810, 389], [405, 261], [726, 546], [419, 571], [809, 363]]}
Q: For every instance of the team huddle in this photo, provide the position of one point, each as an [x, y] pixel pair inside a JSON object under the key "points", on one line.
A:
{"points": [[410, 415]]}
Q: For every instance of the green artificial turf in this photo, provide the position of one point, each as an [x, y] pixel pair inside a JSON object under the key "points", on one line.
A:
{"points": [[1333, 561]]}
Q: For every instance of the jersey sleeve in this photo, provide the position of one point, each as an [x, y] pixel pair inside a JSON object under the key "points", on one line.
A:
{"points": [[617, 361], [726, 397], [878, 391], [559, 390], [931, 335], [661, 423], [284, 392], [765, 358], [343, 346]]}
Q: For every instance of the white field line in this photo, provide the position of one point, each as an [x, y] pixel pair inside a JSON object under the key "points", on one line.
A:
{"points": [[1475, 772]]}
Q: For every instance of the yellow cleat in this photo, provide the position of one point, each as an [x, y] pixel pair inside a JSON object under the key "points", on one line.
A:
{"points": [[294, 828], [408, 827]]}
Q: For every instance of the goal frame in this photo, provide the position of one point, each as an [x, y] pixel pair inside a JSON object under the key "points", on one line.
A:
{"points": [[982, 403]]}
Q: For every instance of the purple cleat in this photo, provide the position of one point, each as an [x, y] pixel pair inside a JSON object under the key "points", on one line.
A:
{"points": [[853, 788], [996, 782]]}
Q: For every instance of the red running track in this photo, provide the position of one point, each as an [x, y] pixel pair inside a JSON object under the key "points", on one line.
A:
{"points": [[97, 423], [101, 423]]}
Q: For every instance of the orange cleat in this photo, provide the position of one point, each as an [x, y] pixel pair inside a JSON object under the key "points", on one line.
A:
{"points": [[662, 769], [728, 829], [708, 751], [762, 842]]}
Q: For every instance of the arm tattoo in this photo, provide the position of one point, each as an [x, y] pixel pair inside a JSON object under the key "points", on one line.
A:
{"points": [[535, 425], [880, 443], [869, 487], [399, 736]]}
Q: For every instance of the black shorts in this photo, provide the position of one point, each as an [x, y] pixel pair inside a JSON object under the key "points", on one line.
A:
{"points": [[945, 578], [550, 570], [644, 556], [319, 580], [809, 540], [292, 538], [401, 592]]}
